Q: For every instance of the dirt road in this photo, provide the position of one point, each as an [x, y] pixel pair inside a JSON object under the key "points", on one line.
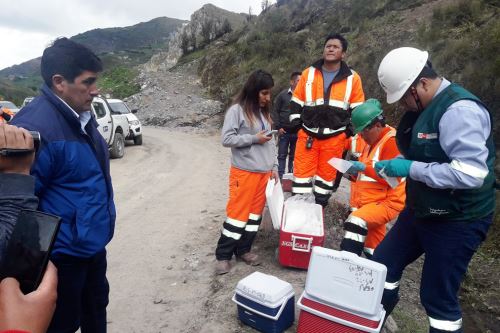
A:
{"points": [[170, 196]]}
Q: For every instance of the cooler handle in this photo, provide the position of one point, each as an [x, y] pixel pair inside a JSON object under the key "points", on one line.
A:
{"points": [[309, 242], [339, 320], [260, 313]]}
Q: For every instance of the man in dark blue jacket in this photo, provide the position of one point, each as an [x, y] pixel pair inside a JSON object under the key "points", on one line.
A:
{"points": [[281, 119], [73, 182]]}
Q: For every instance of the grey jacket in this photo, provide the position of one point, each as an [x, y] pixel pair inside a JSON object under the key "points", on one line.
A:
{"points": [[16, 193], [246, 153]]}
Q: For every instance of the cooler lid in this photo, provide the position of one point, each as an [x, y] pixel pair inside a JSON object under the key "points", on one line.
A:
{"points": [[344, 280], [264, 289], [275, 201]]}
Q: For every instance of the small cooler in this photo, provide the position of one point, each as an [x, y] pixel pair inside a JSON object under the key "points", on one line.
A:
{"points": [[343, 293], [300, 223], [265, 302]]}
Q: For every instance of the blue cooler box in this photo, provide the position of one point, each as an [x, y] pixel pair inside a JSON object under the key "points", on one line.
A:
{"points": [[265, 302]]}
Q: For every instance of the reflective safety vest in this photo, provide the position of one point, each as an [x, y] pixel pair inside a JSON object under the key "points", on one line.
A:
{"points": [[325, 116], [368, 190], [355, 146], [446, 204]]}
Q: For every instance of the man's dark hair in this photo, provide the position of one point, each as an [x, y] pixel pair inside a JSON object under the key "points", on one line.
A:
{"points": [[69, 59], [294, 75], [341, 38], [427, 72]]}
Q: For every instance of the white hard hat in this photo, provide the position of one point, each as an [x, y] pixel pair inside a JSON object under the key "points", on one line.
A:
{"points": [[399, 69]]}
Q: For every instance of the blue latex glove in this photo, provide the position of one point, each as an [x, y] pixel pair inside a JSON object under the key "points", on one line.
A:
{"points": [[397, 167], [356, 167]]}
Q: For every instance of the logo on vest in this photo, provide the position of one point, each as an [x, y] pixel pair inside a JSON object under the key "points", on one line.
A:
{"points": [[427, 136]]}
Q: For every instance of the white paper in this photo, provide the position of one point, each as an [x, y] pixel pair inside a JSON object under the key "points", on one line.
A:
{"points": [[392, 181], [340, 164]]}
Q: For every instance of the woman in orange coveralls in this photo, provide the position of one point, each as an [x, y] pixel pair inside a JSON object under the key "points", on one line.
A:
{"points": [[253, 161]]}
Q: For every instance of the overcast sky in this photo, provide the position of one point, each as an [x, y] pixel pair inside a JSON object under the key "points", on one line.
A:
{"points": [[28, 26]]}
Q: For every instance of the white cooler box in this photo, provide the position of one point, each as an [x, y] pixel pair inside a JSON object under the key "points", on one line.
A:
{"points": [[346, 281], [342, 291], [265, 302]]}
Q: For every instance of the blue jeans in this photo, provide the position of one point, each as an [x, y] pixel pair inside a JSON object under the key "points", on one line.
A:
{"points": [[82, 294], [286, 147], [448, 247]]}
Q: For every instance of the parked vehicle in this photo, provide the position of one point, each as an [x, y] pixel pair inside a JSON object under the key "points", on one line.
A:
{"points": [[26, 101], [112, 126], [135, 130], [9, 105]]}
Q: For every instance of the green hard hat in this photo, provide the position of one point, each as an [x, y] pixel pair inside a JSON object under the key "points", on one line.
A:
{"points": [[364, 114]]}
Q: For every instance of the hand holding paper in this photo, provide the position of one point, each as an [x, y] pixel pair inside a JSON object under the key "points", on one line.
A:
{"points": [[340, 164], [356, 167], [397, 167]]}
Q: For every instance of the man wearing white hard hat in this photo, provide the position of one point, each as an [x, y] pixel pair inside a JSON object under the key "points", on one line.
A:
{"points": [[446, 140]]}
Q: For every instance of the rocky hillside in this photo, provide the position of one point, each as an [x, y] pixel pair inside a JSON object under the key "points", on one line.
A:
{"points": [[207, 24], [176, 99], [463, 38]]}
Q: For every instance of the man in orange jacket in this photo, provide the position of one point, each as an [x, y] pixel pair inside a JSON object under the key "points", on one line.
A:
{"points": [[373, 201], [321, 107]]}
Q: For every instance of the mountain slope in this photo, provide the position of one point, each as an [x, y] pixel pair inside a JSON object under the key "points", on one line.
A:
{"points": [[120, 48]]}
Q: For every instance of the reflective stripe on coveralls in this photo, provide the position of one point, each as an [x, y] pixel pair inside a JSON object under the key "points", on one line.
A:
{"points": [[244, 212], [312, 164], [445, 325]]}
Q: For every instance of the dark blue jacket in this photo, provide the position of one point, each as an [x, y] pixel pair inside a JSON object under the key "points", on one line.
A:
{"points": [[72, 175]]}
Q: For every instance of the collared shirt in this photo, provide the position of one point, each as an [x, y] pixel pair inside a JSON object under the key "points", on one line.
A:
{"points": [[83, 117], [463, 131]]}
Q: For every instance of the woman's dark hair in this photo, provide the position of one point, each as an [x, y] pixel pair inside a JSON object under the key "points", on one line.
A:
{"points": [[248, 97], [69, 59]]}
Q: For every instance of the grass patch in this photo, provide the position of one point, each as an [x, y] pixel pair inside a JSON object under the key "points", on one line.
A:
{"points": [[406, 323], [119, 82]]}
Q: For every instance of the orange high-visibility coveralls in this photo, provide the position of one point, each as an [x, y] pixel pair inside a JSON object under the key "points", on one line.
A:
{"points": [[373, 202], [323, 117], [244, 210]]}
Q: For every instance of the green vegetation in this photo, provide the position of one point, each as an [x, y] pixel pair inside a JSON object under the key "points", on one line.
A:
{"points": [[407, 323], [119, 82], [15, 93]]}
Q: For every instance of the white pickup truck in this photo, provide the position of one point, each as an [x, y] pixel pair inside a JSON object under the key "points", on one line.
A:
{"points": [[112, 126]]}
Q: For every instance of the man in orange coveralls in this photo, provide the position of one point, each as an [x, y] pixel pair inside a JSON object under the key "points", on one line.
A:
{"points": [[373, 201]]}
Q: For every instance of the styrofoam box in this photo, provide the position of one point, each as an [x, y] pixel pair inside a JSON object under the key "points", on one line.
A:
{"points": [[278, 208], [346, 281], [265, 302]]}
